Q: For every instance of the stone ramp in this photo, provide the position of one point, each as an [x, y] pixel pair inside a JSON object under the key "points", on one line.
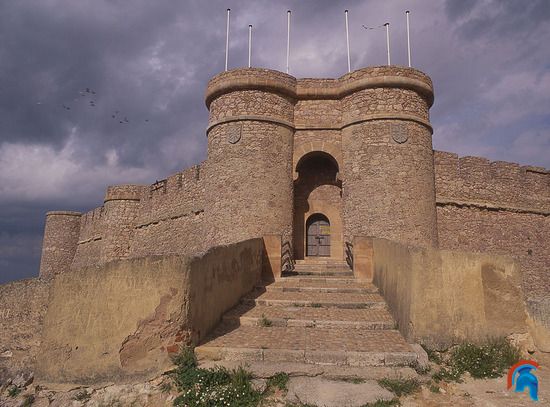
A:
{"points": [[312, 320]]}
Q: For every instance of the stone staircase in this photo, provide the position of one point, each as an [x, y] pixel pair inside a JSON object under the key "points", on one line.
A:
{"points": [[318, 314]]}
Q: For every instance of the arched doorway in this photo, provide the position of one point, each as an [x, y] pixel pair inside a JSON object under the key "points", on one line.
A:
{"points": [[318, 236], [318, 207]]}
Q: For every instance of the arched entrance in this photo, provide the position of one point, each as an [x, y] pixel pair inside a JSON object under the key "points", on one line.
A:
{"points": [[318, 208], [318, 236]]}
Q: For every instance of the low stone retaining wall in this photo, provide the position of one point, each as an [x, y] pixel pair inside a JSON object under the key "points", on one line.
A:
{"points": [[121, 321], [441, 297]]}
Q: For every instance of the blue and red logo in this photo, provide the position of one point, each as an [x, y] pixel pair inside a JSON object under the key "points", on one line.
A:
{"points": [[520, 377]]}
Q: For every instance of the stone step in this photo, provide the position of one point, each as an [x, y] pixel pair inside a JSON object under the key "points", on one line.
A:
{"points": [[314, 299], [246, 315], [321, 261], [334, 286], [318, 279], [326, 266], [347, 347], [266, 370], [319, 273]]}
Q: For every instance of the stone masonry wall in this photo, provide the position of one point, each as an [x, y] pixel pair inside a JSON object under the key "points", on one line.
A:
{"points": [[90, 242], [496, 207], [171, 216], [23, 306], [60, 242], [249, 184], [388, 187], [248, 181]]}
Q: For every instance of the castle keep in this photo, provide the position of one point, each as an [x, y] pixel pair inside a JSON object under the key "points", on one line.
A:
{"points": [[332, 181]]}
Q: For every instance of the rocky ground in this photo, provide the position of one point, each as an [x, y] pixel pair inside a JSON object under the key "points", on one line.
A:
{"points": [[318, 386]]}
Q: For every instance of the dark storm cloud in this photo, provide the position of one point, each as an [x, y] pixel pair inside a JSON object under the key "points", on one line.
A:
{"points": [[147, 63]]}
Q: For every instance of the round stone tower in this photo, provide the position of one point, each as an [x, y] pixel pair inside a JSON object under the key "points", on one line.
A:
{"points": [[250, 145], [388, 170], [59, 244], [121, 205]]}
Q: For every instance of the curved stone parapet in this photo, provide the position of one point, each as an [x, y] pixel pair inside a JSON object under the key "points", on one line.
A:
{"points": [[128, 192], [250, 79]]}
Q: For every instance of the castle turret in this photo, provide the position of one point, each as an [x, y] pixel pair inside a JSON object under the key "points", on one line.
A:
{"points": [[59, 244], [121, 205], [250, 146], [387, 153]]}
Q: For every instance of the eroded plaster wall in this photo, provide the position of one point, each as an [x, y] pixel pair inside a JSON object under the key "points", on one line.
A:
{"points": [[123, 320], [23, 305], [443, 297]]}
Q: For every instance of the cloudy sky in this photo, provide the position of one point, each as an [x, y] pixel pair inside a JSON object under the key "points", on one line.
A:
{"points": [[67, 67]]}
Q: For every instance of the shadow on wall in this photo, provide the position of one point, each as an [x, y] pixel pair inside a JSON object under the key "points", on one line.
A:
{"points": [[125, 319]]}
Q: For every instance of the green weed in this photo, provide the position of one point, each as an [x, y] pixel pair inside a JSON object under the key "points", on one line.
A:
{"points": [[278, 380], [264, 322], [14, 391], [401, 387], [489, 360], [212, 387], [384, 403]]}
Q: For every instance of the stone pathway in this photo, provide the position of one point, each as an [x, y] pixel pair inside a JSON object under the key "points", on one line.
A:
{"points": [[319, 315], [328, 393]]}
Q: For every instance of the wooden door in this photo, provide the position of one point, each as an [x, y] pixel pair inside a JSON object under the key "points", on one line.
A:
{"points": [[318, 237]]}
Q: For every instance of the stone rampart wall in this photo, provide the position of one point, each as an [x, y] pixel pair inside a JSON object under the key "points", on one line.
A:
{"points": [[90, 242], [135, 221], [171, 216], [496, 207], [497, 184]]}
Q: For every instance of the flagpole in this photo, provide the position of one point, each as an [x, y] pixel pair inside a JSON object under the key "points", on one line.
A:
{"points": [[408, 38], [227, 39], [388, 41], [249, 45], [288, 41], [347, 40]]}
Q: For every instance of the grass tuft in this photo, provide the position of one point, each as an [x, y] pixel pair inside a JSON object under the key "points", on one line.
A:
{"points": [[400, 387], [489, 360], [278, 380], [265, 322], [212, 387], [384, 403], [14, 391]]}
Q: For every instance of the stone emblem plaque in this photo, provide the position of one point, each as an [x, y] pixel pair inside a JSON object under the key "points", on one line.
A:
{"points": [[234, 133], [399, 133]]}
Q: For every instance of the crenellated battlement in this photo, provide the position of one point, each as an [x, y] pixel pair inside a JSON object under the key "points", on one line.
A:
{"points": [[497, 184]]}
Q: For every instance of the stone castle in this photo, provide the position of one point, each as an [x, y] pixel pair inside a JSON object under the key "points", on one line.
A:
{"points": [[330, 190]]}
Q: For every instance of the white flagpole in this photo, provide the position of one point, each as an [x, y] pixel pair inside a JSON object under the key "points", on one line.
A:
{"points": [[347, 40], [288, 41], [388, 41], [227, 39], [408, 38], [249, 45]]}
